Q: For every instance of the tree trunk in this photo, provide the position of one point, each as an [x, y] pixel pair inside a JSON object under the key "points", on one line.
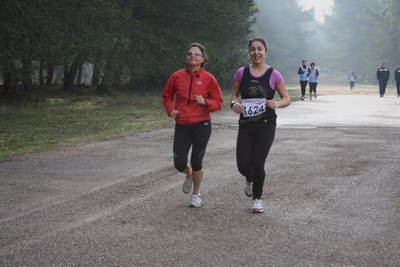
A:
{"points": [[65, 82], [28, 84], [79, 78], [50, 74], [27, 76], [96, 75], [10, 86], [106, 82], [70, 77], [41, 78]]}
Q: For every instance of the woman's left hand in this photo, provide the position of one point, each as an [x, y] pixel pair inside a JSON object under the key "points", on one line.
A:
{"points": [[200, 99], [272, 104]]}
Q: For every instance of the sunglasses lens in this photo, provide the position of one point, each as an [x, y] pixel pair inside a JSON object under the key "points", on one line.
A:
{"points": [[194, 54]]}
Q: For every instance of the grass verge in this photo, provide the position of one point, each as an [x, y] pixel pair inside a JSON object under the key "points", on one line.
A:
{"points": [[49, 119]]}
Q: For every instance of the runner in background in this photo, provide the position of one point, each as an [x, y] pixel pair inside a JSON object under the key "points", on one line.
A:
{"points": [[352, 78], [313, 78], [303, 72]]}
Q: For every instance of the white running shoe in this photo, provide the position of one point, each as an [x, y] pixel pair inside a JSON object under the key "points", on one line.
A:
{"points": [[248, 189], [257, 206], [187, 185], [196, 200]]}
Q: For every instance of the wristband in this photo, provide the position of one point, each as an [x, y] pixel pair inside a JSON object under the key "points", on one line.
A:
{"points": [[232, 104]]}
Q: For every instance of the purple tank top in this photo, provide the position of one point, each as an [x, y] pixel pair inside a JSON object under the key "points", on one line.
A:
{"points": [[276, 77]]}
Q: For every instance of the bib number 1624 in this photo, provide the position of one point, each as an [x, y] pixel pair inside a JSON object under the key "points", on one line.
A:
{"points": [[253, 106]]}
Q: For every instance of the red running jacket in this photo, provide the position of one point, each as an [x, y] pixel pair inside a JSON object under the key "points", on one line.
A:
{"points": [[183, 86]]}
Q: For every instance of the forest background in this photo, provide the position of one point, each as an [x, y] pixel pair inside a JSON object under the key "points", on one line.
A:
{"points": [[105, 62], [137, 44]]}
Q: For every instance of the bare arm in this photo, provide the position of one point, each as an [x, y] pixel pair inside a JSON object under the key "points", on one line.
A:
{"points": [[237, 107], [284, 95], [235, 91]]}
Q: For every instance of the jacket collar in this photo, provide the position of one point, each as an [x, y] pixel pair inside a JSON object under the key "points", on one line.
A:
{"points": [[197, 72]]}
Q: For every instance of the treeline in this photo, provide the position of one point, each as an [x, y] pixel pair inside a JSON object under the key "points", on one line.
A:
{"points": [[358, 35], [130, 44], [137, 44]]}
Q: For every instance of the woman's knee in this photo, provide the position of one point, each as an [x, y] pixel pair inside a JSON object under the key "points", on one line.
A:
{"points": [[259, 171], [197, 165], [244, 169], [180, 165]]}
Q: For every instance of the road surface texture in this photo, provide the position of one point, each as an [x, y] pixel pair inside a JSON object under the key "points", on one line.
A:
{"points": [[331, 196]]}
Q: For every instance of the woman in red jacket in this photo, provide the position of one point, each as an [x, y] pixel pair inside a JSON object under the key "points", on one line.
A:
{"points": [[196, 93]]}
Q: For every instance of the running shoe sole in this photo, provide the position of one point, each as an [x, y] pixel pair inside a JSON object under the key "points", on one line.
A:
{"points": [[257, 210], [257, 206]]}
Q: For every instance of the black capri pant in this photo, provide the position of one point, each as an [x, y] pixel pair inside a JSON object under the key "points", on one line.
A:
{"points": [[313, 87], [195, 136], [252, 148]]}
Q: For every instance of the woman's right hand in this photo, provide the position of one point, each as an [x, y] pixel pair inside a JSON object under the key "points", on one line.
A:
{"points": [[174, 113], [238, 108]]}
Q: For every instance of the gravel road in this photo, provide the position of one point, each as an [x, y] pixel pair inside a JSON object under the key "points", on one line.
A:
{"points": [[331, 197]]}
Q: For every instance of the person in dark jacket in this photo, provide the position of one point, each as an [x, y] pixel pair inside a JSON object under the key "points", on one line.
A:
{"points": [[383, 75], [397, 78]]}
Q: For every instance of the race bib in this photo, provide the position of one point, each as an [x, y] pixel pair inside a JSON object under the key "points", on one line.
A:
{"points": [[253, 106]]}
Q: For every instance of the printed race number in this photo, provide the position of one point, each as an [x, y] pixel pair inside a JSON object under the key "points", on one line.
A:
{"points": [[253, 106]]}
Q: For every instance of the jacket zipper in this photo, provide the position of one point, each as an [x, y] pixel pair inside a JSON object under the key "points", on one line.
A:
{"points": [[190, 87]]}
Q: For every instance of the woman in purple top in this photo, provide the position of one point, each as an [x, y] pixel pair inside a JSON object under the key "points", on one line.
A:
{"points": [[256, 84]]}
